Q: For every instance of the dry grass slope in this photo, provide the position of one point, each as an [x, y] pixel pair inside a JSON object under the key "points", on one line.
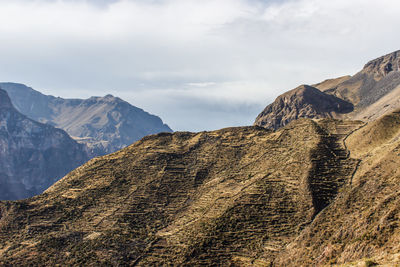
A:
{"points": [[236, 196]]}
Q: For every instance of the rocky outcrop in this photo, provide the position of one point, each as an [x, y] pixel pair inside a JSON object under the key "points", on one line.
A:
{"points": [[303, 102], [32, 155], [383, 66], [104, 124]]}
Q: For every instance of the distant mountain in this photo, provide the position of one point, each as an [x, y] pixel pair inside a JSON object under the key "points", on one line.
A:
{"points": [[373, 91], [32, 155], [104, 124]]}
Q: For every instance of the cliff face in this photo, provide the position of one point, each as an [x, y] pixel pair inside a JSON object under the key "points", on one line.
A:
{"points": [[32, 155], [233, 196], [104, 124], [371, 92]]}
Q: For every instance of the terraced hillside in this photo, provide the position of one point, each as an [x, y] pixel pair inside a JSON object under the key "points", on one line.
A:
{"points": [[362, 225], [232, 196]]}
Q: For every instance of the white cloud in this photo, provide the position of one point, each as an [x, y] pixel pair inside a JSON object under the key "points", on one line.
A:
{"points": [[163, 54]]}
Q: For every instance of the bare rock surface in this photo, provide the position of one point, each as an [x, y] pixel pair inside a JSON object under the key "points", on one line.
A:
{"points": [[302, 102]]}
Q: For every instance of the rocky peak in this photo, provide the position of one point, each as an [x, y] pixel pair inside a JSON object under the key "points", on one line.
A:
{"points": [[109, 96], [302, 102], [106, 98], [110, 99], [5, 101], [384, 65]]}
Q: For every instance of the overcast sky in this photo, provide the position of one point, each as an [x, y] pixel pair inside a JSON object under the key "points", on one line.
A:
{"points": [[198, 64]]}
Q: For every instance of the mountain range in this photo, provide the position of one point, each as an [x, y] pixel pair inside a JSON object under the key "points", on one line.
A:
{"points": [[105, 124], [312, 186], [45, 137]]}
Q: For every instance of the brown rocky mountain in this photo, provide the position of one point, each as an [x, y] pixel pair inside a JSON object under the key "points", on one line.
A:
{"points": [[302, 102], [32, 155], [105, 124], [373, 91]]}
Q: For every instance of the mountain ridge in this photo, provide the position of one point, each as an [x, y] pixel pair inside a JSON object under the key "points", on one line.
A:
{"points": [[104, 124], [365, 91]]}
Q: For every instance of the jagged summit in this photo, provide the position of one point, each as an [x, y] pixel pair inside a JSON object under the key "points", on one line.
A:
{"points": [[384, 65], [302, 102], [106, 98]]}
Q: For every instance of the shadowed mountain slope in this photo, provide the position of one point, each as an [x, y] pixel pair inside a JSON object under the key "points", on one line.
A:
{"points": [[372, 92], [32, 155], [233, 196], [104, 124]]}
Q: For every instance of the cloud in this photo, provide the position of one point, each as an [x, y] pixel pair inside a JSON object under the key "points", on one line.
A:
{"points": [[191, 57]]}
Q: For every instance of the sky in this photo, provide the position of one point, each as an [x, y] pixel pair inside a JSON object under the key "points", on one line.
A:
{"points": [[198, 64]]}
